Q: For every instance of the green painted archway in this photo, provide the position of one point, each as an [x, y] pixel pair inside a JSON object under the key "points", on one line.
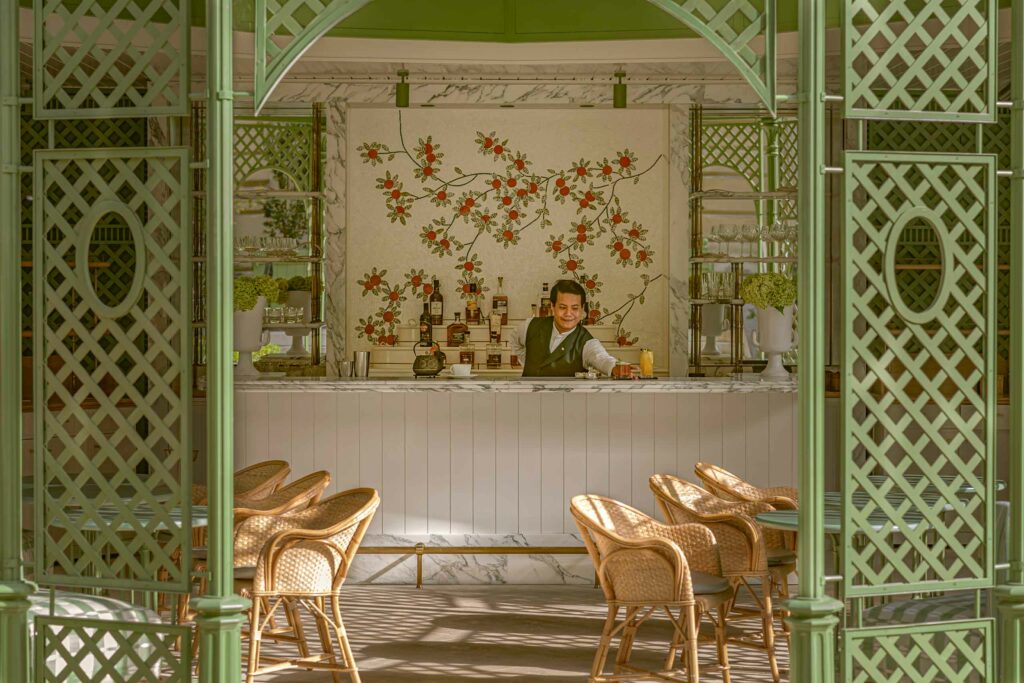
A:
{"points": [[286, 30]]}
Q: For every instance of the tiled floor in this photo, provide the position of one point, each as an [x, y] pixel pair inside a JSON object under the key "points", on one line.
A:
{"points": [[541, 634]]}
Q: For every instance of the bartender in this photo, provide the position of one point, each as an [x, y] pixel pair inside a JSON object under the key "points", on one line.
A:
{"points": [[559, 346]]}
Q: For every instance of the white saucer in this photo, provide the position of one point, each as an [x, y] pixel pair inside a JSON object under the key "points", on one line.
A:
{"points": [[461, 376]]}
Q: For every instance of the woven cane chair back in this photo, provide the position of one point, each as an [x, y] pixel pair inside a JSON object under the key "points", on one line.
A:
{"points": [[637, 558], [741, 541], [297, 495], [308, 552], [728, 486], [252, 482]]}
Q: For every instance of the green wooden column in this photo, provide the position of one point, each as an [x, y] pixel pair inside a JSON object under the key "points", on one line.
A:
{"points": [[1010, 595], [812, 613], [220, 611], [14, 590]]}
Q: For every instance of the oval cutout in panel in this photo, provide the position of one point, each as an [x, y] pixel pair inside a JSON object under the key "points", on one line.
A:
{"points": [[118, 274], [916, 223]]}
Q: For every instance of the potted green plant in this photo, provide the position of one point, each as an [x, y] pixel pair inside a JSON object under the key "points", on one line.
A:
{"points": [[774, 296], [251, 295]]}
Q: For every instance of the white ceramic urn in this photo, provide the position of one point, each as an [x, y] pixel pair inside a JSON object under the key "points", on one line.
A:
{"points": [[248, 335], [775, 336]]}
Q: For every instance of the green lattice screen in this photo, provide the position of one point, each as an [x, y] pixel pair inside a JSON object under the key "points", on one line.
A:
{"points": [[143, 652], [274, 145], [736, 146], [111, 246], [112, 400], [96, 60], [919, 404], [900, 63], [932, 136]]}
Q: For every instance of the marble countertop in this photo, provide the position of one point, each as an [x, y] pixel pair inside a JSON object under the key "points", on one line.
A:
{"points": [[743, 384]]}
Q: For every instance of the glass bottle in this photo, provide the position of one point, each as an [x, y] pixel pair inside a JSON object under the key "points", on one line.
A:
{"points": [[499, 303], [436, 305], [472, 306], [545, 301], [493, 356], [458, 332], [494, 325], [426, 328]]}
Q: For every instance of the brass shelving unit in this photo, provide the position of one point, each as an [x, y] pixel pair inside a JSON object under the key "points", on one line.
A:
{"points": [[761, 150]]}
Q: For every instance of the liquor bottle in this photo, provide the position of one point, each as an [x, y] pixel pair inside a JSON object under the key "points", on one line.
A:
{"points": [[472, 306], [499, 304], [426, 328], [436, 305], [494, 326], [458, 333], [545, 301], [533, 310]]}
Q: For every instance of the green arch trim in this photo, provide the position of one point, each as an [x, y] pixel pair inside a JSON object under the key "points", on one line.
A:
{"points": [[268, 74], [763, 80], [716, 29]]}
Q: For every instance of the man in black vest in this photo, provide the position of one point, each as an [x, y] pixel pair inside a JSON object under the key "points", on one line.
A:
{"points": [[559, 346]]}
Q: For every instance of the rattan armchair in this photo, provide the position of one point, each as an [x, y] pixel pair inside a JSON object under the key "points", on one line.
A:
{"points": [[297, 495], [253, 482], [728, 486], [301, 560], [644, 567], [742, 547]]}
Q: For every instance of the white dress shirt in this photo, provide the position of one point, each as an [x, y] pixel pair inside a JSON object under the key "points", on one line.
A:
{"points": [[594, 353]]}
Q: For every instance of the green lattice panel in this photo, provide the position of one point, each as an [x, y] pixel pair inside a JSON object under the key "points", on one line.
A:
{"points": [[954, 652], [789, 154], [919, 402], [285, 29], [96, 60], [120, 132], [736, 146], [743, 31], [931, 136], [116, 652], [276, 145], [921, 136], [112, 400], [920, 59]]}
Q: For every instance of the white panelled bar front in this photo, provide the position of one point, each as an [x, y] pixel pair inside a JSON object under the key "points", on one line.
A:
{"points": [[493, 463]]}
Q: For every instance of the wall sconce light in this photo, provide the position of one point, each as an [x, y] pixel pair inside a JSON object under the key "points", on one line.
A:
{"points": [[402, 90], [619, 91]]}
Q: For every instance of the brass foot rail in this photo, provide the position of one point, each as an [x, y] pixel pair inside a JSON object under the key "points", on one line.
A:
{"points": [[420, 549]]}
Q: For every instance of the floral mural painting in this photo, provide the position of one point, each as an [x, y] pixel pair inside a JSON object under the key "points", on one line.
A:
{"points": [[501, 196]]}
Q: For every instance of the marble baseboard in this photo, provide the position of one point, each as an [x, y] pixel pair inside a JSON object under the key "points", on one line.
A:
{"points": [[473, 568]]}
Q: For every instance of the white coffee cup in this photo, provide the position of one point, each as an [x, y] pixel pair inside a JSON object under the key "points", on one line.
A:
{"points": [[461, 369]]}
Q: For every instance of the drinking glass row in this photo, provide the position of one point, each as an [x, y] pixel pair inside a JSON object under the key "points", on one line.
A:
{"points": [[779, 231]]}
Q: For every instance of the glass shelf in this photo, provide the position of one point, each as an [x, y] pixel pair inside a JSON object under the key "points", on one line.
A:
{"points": [[709, 258], [268, 259], [726, 194]]}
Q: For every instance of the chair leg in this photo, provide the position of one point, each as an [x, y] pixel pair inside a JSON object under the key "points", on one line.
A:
{"points": [[294, 619], [626, 640], [346, 649], [254, 640], [723, 649], [601, 656], [768, 624], [677, 638], [325, 636], [691, 621]]}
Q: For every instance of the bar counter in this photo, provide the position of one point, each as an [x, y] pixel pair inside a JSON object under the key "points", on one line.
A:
{"points": [[507, 384], [492, 462]]}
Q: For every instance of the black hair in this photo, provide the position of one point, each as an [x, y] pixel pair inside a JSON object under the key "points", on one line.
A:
{"points": [[569, 287]]}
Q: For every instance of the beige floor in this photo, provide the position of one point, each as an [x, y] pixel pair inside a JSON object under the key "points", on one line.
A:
{"points": [[513, 634]]}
